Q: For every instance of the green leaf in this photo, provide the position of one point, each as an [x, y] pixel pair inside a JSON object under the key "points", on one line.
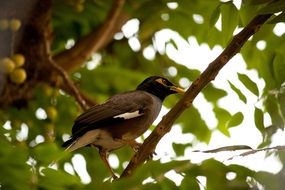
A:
{"points": [[155, 169], [250, 85], [180, 148], [172, 42], [259, 119], [274, 7], [216, 179], [279, 18], [230, 18], [281, 101], [192, 122], [279, 68], [167, 184], [271, 106], [189, 182], [268, 180], [255, 2], [46, 152], [236, 120], [213, 94], [56, 179], [223, 117], [238, 92], [215, 16]]}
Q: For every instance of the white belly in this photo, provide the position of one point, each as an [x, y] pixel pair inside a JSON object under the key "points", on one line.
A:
{"points": [[105, 140], [99, 138]]}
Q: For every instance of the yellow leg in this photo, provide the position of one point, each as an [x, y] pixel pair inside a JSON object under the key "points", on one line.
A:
{"points": [[132, 143], [103, 155]]}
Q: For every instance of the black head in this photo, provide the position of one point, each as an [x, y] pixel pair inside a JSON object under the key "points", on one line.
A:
{"points": [[159, 87]]}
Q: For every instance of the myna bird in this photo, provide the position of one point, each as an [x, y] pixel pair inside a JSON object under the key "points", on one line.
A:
{"points": [[121, 119]]}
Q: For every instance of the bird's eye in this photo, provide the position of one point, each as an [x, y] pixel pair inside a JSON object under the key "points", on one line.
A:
{"points": [[162, 81]]}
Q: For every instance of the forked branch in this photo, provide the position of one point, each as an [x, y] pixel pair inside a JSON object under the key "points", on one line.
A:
{"points": [[86, 46]]}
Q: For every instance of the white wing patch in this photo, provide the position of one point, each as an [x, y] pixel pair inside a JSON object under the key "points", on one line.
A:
{"points": [[129, 115]]}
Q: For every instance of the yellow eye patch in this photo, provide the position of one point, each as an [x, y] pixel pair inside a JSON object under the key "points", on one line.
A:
{"points": [[161, 81]]}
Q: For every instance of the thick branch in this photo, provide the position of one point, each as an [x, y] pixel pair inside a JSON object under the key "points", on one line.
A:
{"points": [[186, 101], [83, 49]]}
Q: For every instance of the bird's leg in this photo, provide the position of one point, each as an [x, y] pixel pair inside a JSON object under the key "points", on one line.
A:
{"points": [[134, 145], [103, 155]]}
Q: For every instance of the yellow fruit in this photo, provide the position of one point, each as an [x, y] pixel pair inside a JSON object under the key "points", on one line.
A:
{"points": [[4, 24], [15, 24], [18, 76], [6, 65], [51, 112], [18, 59]]}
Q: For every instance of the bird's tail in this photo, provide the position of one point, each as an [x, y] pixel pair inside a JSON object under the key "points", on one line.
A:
{"points": [[71, 144], [77, 142], [68, 148], [86, 139], [68, 142]]}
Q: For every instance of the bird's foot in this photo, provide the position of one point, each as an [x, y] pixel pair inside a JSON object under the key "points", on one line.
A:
{"points": [[135, 146], [132, 143], [114, 177], [152, 154]]}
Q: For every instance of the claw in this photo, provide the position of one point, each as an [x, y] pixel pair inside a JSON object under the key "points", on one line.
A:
{"points": [[150, 157], [135, 146]]}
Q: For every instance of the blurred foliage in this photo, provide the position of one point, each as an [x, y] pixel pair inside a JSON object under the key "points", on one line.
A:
{"points": [[47, 119]]}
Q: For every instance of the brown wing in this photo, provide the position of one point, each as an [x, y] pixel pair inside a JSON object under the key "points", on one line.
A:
{"points": [[117, 109]]}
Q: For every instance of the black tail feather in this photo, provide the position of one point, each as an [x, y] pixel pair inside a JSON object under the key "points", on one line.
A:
{"points": [[68, 143]]}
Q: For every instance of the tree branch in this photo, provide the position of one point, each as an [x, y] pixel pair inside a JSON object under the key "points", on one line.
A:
{"points": [[186, 101], [226, 148], [88, 100], [69, 84], [276, 148], [60, 71], [83, 49]]}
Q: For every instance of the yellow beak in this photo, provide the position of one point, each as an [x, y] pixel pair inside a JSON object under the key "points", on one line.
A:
{"points": [[177, 89]]}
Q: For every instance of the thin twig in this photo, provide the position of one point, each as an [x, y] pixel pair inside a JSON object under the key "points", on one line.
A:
{"points": [[70, 84], [86, 46], [60, 70], [226, 148], [279, 148], [186, 101], [88, 100]]}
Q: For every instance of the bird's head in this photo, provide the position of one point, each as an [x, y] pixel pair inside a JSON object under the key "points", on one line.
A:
{"points": [[159, 86]]}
